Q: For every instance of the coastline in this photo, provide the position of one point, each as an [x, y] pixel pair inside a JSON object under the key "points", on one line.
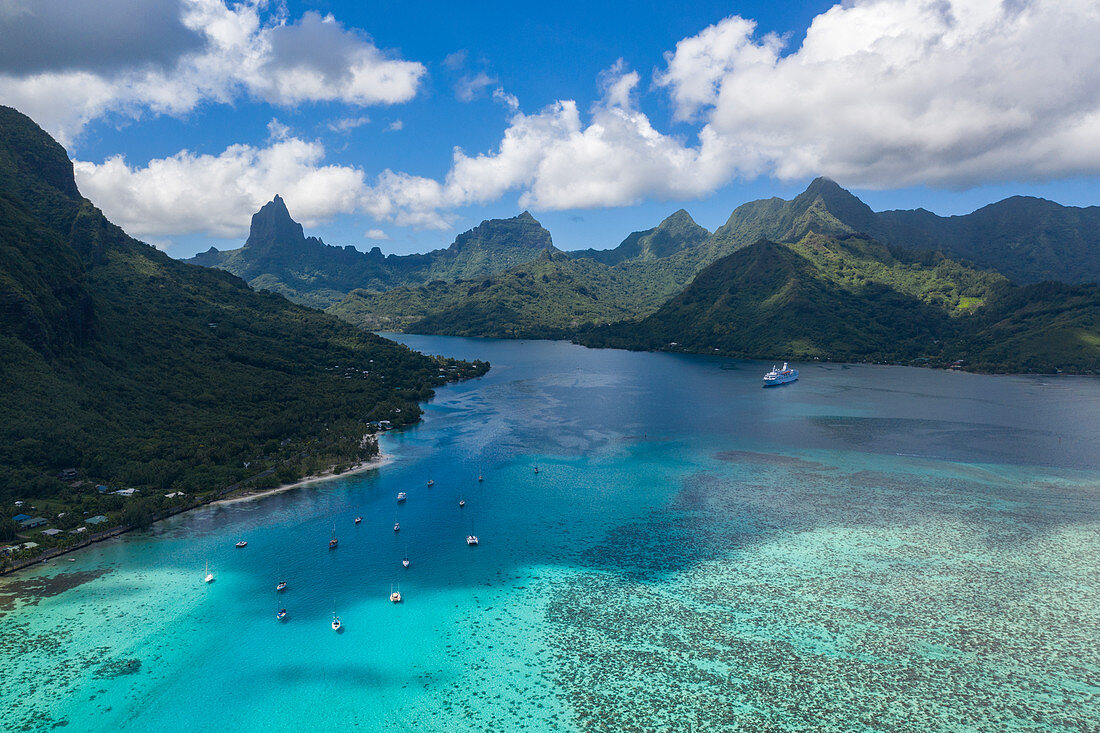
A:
{"points": [[383, 459], [234, 497]]}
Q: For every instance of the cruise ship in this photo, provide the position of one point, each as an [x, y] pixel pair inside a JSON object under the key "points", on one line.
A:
{"points": [[776, 377]]}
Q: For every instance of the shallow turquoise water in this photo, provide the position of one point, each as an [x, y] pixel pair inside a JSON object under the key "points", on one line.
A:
{"points": [[870, 548]]}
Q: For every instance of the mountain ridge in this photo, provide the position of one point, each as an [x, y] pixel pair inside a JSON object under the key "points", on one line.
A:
{"points": [[277, 256], [140, 370]]}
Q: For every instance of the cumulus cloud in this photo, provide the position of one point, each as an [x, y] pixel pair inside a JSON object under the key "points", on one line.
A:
{"points": [[241, 51], [881, 93], [377, 235], [217, 194], [55, 35], [557, 160], [888, 93]]}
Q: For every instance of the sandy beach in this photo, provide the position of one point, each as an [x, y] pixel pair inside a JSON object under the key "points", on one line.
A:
{"points": [[384, 459]]}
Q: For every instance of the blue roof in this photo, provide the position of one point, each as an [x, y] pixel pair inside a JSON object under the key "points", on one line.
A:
{"points": [[20, 517]]}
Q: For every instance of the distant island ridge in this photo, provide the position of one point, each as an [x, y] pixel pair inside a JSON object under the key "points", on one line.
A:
{"points": [[1009, 287]]}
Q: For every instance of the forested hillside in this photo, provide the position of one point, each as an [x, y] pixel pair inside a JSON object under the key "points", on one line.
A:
{"points": [[142, 371]]}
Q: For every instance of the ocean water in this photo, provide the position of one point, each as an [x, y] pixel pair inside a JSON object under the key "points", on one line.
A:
{"points": [[870, 548]]}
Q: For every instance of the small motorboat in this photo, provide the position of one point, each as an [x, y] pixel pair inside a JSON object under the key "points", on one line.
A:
{"points": [[431, 482], [471, 540], [462, 502], [241, 543], [281, 614], [397, 526], [336, 622], [401, 496], [281, 585], [358, 520]]}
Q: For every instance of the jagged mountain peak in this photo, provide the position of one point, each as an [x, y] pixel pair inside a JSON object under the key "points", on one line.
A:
{"points": [[272, 225]]}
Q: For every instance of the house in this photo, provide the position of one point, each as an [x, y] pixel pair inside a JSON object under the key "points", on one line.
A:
{"points": [[33, 522], [98, 519], [51, 532], [29, 545], [125, 492], [174, 494], [101, 489], [21, 517], [79, 530]]}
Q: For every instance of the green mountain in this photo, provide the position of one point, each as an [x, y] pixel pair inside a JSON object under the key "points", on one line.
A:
{"points": [[140, 370], [676, 233], [279, 257], [1026, 239], [550, 297], [851, 298]]}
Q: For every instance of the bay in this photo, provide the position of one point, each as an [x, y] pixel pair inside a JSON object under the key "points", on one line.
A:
{"points": [[868, 548]]}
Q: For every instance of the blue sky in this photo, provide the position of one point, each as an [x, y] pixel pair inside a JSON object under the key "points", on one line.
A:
{"points": [[183, 116]]}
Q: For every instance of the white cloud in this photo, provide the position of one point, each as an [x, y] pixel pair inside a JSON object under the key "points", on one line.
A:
{"points": [[277, 130], [395, 126], [344, 125], [377, 234], [508, 100], [890, 93], [217, 194], [243, 53], [882, 93], [470, 88], [456, 60]]}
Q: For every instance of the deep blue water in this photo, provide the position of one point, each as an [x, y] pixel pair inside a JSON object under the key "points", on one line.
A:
{"points": [[869, 548]]}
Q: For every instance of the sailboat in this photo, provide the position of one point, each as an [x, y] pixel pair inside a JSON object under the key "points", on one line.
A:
{"points": [[431, 482], [405, 560], [333, 542], [280, 615], [536, 468], [396, 526], [461, 502], [209, 575], [395, 595], [281, 585], [336, 625]]}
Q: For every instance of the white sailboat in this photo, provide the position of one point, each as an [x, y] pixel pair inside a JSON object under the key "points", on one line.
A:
{"points": [[209, 575]]}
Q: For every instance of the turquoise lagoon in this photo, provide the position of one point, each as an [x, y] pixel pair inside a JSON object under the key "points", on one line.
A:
{"points": [[870, 548]]}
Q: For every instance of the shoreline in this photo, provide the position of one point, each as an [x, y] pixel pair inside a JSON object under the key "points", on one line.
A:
{"points": [[384, 459], [235, 497]]}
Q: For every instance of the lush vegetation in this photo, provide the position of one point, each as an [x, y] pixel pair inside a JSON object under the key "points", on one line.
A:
{"points": [[553, 296], [141, 371], [1027, 239], [279, 257], [828, 291], [850, 298], [676, 233]]}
